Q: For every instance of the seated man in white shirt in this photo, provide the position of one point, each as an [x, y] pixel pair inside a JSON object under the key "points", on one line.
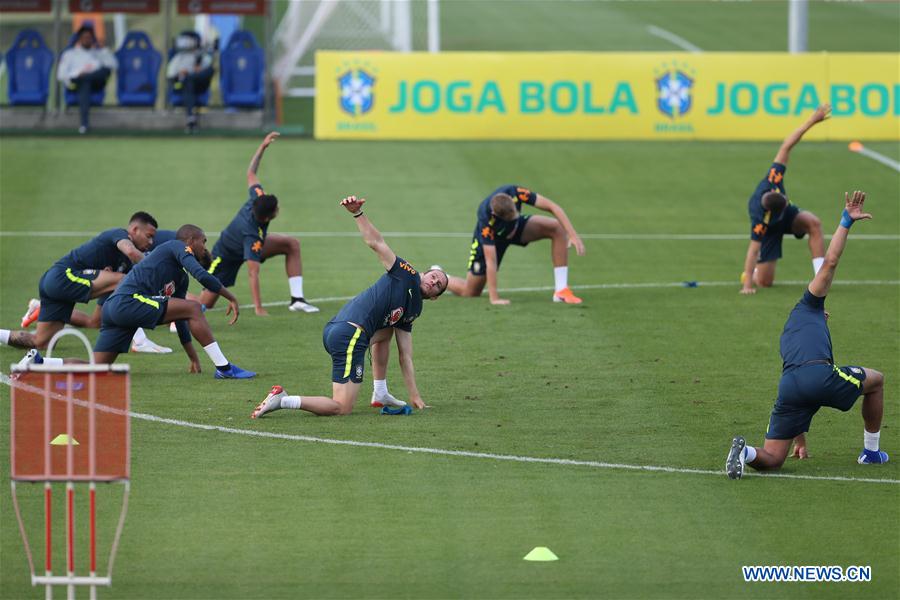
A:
{"points": [[85, 68], [190, 71]]}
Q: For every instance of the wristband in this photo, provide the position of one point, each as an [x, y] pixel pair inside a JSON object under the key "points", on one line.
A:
{"points": [[358, 215], [846, 221]]}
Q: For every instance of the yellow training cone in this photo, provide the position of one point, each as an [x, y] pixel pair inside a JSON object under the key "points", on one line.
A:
{"points": [[63, 440], [541, 554]]}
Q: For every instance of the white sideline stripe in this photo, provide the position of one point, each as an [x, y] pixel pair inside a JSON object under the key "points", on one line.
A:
{"points": [[673, 38], [450, 234], [465, 454], [603, 286], [877, 156]]}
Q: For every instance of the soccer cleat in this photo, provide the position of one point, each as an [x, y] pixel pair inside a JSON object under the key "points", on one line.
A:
{"points": [[272, 402], [33, 312], [301, 305], [872, 457], [566, 295], [385, 400], [734, 464], [172, 327], [32, 357], [150, 347], [234, 372]]}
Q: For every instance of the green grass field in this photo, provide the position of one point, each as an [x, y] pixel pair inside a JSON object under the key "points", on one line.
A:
{"points": [[645, 372]]}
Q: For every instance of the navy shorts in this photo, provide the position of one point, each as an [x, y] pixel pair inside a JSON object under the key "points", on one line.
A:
{"points": [[476, 255], [347, 345], [123, 314], [770, 249], [60, 288], [225, 270], [804, 390]]}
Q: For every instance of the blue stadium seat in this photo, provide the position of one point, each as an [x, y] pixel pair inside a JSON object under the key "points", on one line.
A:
{"points": [[139, 62], [28, 65], [70, 96], [243, 64]]}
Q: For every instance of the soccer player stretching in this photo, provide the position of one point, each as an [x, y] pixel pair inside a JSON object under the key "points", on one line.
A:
{"points": [[810, 379], [392, 303], [246, 240], [772, 216], [501, 224]]}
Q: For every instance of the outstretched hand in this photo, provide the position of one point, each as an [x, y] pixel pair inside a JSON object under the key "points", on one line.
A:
{"points": [[822, 113], [853, 204], [233, 308], [270, 138], [353, 204]]}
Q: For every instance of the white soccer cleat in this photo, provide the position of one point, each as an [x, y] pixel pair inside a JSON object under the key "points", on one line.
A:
{"points": [[302, 305], [386, 400], [31, 315], [272, 402], [150, 347]]}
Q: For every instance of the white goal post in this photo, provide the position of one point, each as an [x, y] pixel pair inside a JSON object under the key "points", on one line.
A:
{"points": [[310, 25]]}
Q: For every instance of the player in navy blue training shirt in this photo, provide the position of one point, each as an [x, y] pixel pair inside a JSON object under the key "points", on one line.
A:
{"points": [[772, 216], [389, 306], [810, 379], [92, 270], [153, 293], [246, 240], [501, 224]]}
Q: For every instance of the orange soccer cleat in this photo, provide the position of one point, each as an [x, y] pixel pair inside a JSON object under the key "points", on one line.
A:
{"points": [[566, 295], [32, 314]]}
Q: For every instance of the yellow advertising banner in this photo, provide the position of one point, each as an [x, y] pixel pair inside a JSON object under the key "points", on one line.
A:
{"points": [[598, 96]]}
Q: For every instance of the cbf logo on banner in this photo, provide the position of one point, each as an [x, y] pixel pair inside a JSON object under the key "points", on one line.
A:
{"points": [[604, 96], [356, 89]]}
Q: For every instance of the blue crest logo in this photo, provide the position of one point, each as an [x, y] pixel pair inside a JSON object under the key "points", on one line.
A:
{"points": [[356, 92], [674, 89]]}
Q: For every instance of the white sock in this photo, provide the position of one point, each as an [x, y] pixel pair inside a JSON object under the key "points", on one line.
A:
{"points": [[290, 401], [817, 264], [4, 336], [140, 336], [53, 361], [215, 355], [561, 278], [296, 284], [749, 454], [381, 387], [870, 440]]}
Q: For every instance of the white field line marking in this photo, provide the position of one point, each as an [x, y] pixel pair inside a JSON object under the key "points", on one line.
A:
{"points": [[604, 286], [877, 156], [673, 38], [449, 234], [465, 454]]}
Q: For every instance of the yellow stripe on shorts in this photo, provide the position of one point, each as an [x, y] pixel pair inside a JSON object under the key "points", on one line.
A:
{"points": [[215, 263], [77, 279], [140, 298], [350, 352], [846, 377]]}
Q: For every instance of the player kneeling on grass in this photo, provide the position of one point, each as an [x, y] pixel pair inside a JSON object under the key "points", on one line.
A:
{"points": [[392, 303], [153, 293], [810, 379], [92, 270], [501, 224]]}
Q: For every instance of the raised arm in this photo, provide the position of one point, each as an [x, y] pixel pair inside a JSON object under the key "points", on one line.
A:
{"points": [[405, 350], [252, 179], [790, 141], [557, 211], [853, 211], [371, 236]]}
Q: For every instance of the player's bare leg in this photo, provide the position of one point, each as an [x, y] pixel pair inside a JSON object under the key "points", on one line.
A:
{"points": [[764, 275], [105, 283], [539, 227], [39, 339], [772, 455], [873, 400], [278, 245], [208, 298], [380, 346], [178, 309], [471, 286], [344, 397], [86, 321], [807, 223]]}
